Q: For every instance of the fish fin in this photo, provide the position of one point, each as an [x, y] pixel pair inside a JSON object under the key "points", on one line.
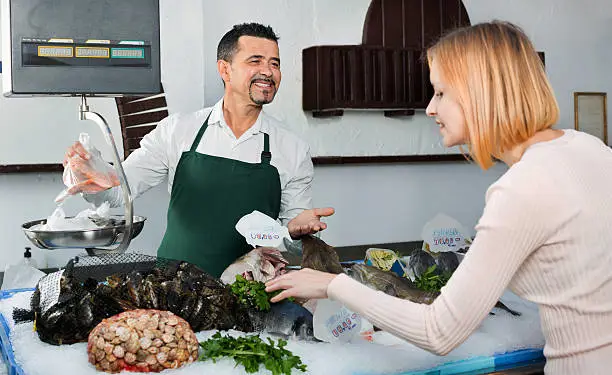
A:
{"points": [[500, 305], [22, 315]]}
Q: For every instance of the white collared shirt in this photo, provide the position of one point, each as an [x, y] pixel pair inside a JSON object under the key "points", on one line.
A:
{"points": [[161, 150]]}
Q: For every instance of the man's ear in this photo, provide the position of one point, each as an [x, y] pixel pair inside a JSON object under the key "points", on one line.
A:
{"points": [[224, 69]]}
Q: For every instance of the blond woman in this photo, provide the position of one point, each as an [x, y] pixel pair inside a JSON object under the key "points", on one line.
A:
{"points": [[546, 229]]}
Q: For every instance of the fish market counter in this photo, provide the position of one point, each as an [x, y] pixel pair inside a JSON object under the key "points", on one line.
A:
{"points": [[502, 343]]}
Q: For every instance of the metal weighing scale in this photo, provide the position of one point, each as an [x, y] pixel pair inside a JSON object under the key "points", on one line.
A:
{"points": [[83, 48]]}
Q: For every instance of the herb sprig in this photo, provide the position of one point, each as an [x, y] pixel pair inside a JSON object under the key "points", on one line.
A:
{"points": [[432, 281], [253, 293], [251, 352]]}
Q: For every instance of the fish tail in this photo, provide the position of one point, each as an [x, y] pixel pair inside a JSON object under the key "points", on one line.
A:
{"points": [[23, 316]]}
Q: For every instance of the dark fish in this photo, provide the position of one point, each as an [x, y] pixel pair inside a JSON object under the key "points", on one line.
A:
{"points": [[390, 283], [420, 261], [447, 262], [204, 301], [401, 287], [293, 247], [70, 318], [319, 256], [286, 319]]}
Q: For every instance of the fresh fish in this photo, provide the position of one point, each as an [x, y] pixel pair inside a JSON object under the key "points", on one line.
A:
{"points": [[447, 262], [286, 319], [390, 283], [318, 255], [293, 246], [420, 261], [401, 287], [260, 264]]}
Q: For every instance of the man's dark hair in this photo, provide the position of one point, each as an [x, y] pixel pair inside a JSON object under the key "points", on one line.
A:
{"points": [[229, 43]]}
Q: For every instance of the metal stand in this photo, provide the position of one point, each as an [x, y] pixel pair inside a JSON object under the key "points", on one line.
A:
{"points": [[86, 114]]}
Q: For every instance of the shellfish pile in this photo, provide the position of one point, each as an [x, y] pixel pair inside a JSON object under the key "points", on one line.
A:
{"points": [[142, 341]]}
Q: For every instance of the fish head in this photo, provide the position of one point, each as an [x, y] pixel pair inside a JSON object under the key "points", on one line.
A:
{"points": [[359, 272], [289, 320], [246, 264], [293, 247], [262, 263], [390, 283], [303, 329]]}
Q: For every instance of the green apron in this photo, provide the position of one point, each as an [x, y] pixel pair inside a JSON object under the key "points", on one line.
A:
{"points": [[209, 195]]}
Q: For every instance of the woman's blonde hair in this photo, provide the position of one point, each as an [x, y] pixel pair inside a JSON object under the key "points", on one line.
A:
{"points": [[499, 81]]}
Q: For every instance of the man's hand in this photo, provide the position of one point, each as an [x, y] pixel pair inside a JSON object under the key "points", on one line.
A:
{"points": [[76, 149], [84, 178], [308, 222]]}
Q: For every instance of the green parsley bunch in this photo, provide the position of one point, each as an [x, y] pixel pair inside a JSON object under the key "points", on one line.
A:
{"points": [[432, 281], [251, 352], [253, 293]]}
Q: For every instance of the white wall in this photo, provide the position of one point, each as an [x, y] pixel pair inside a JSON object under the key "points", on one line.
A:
{"points": [[375, 203], [302, 24]]}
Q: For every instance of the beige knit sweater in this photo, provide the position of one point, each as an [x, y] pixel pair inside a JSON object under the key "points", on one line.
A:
{"points": [[546, 232]]}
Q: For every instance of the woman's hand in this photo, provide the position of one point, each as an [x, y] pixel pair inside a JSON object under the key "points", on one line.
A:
{"points": [[305, 284]]}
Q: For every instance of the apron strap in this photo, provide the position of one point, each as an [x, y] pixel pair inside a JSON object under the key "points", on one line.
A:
{"points": [[196, 142], [266, 155]]}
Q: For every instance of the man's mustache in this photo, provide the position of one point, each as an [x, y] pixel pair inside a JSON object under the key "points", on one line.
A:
{"points": [[265, 79]]}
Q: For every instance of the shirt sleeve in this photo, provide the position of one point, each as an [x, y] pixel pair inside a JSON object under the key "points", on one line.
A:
{"points": [[297, 194], [144, 168], [513, 225]]}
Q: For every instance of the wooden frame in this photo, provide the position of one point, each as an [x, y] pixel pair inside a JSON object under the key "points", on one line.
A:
{"points": [[591, 114], [319, 160], [31, 168]]}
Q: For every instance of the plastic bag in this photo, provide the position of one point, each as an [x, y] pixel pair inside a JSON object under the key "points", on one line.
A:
{"points": [[88, 219], [21, 275], [333, 322], [443, 233], [94, 172], [261, 230]]}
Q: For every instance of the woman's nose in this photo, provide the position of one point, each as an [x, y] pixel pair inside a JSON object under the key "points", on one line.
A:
{"points": [[431, 108]]}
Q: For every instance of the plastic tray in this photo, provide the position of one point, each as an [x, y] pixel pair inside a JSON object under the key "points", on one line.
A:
{"points": [[481, 365], [5, 342]]}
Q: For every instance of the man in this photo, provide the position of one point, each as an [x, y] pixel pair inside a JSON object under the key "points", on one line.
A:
{"points": [[224, 162]]}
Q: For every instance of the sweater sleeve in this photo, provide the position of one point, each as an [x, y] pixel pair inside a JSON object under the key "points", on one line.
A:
{"points": [[513, 225]]}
